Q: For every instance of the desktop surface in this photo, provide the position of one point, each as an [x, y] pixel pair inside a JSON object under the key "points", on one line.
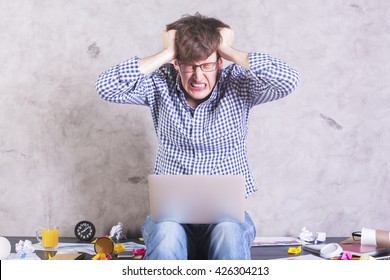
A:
{"points": [[279, 252], [257, 252]]}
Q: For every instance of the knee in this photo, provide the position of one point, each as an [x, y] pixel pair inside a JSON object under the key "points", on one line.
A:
{"points": [[170, 234], [165, 240], [227, 232], [230, 241]]}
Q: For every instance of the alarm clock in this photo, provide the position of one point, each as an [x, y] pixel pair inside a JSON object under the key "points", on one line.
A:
{"points": [[85, 230]]}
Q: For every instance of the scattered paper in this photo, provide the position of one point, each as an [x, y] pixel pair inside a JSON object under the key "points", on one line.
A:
{"points": [[24, 247], [117, 232], [309, 236], [87, 247], [321, 237], [306, 235], [16, 256], [276, 241], [24, 251]]}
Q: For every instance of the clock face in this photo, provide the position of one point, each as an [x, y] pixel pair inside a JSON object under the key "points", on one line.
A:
{"points": [[84, 230]]}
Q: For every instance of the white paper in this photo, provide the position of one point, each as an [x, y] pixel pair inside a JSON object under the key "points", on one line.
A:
{"points": [[276, 241]]}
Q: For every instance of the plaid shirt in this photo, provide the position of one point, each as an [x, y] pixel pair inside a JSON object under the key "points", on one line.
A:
{"points": [[212, 138]]}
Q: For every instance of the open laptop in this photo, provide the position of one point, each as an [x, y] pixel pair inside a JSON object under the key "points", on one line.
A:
{"points": [[197, 199]]}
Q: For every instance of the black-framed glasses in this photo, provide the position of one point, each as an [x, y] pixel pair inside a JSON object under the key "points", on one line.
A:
{"points": [[357, 235], [191, 68]]}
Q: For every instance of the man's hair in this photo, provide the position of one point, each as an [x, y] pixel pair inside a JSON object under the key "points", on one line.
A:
{"points": [[197, 36]]}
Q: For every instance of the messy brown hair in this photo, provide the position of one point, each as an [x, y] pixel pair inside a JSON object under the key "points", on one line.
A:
{"points": [[197, 36]]}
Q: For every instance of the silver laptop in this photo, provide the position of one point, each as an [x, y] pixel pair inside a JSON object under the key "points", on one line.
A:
{"points": [[197, 199]]}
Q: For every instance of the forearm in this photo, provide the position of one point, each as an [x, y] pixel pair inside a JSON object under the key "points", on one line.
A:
{"points": [[149, 64], [228, 52], [236, 56], [275, 79], [118, 83], [273, 71]]}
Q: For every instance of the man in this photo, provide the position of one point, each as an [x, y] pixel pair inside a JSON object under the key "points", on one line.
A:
{"points": [[200, 112]]}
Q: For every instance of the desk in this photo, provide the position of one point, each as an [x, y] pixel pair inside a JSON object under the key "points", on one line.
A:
{"points": [[277, 252], [44, 255], [257, 253]]}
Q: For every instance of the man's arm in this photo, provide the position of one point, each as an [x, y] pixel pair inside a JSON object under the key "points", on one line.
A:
{"points": [[227, 52], [128, 82], [275, 79], [148, 64]]}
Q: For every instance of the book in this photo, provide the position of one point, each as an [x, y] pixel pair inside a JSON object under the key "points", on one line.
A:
{"points": [[358, 250]]}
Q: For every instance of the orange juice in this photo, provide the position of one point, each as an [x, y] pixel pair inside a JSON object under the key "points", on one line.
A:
{"points": [[50, 237]]}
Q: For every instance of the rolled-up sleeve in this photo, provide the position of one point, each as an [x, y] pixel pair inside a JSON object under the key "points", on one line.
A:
{"points": [[274, 79], [124, 83]]}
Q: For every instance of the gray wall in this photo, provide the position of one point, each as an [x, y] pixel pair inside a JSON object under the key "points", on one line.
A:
{"points": [[320, 156]]}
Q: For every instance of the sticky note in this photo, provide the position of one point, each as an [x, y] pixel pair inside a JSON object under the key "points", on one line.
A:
{"points": [[295, 250]]}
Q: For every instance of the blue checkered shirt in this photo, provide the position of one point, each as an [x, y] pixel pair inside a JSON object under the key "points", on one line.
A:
{"points": [[212, 138]]}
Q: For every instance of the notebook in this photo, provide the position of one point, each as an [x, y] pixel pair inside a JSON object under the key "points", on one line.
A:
{"points": [[357, 249], [197, 199]]}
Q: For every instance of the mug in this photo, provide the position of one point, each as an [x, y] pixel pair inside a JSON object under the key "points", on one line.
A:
{"points": [[50, 236]]}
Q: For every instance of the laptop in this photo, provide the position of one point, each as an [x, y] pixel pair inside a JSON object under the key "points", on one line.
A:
{"points": [[197, 199]]}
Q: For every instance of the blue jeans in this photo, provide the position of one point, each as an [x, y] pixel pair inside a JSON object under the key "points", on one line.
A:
{"points": [[224, 241]]}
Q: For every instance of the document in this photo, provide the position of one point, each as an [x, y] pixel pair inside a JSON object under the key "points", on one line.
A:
{"points": [[277, 241]]}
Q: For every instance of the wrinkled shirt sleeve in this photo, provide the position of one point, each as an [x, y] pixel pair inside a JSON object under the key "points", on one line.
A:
{"points": [[271, 79], [124, 83]]}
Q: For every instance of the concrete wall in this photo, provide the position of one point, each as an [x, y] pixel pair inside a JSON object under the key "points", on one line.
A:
{"points": [[320, 156]]}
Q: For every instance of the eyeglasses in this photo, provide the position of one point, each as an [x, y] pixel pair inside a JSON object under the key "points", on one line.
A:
{"points": [[191, 68], [356, 235]]}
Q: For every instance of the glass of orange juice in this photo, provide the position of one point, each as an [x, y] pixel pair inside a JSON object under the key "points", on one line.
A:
{"points": [[50, 237]]}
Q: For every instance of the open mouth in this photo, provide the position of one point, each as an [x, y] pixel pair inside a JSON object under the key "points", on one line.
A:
{"points": [[198, 85]]}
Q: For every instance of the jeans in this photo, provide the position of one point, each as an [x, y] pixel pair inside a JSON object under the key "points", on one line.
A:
{"points": [[223, 241]]}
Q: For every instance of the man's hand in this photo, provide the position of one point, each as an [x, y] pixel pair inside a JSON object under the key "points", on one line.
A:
{"points": [[226, 50], [151, 63], [225, 47], [169, 42]]}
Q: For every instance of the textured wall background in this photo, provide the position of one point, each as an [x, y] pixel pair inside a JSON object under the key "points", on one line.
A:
{"points": [[320, 156]]}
